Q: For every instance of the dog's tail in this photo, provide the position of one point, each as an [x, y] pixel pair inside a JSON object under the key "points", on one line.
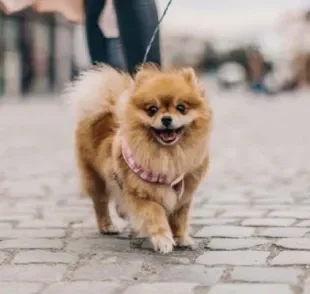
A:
{"points": [[94, 92]]}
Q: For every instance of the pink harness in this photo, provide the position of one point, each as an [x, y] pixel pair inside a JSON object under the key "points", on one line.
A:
{"points": [[148, 175]]}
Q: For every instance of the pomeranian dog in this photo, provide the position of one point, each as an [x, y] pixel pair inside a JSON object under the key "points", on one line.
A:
{"points": [[143, 142]]}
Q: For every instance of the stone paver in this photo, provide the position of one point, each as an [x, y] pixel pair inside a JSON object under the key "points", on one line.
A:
{"points": [[40, 224], [5, 226], [268, 222], [40, 256], [235, 244], [233, 258], [31, 244], [32, 273], [253, 289], [292, 258], [225, 231], [31, 233], [251, 217], [243, 213], [19, 288], [82, 287], [290, 214], [194, 274], [213, 221], [172, 288], [290, 232], [291, 243], [109, 271], [266, 275], [203, 213], [305, 223]]}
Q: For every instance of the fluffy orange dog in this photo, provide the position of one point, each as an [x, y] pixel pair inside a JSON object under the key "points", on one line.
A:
{"points": [[144, 143]]}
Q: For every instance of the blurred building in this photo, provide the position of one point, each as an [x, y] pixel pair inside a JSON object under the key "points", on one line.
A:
{"points": [[36, 52]]}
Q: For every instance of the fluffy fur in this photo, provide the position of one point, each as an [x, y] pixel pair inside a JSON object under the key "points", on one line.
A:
{"points": [[111, 105]]}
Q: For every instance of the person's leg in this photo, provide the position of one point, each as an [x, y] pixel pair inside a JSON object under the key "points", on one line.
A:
{"points": [[25, 48], [115, 54], [101, 49], [95, 40], [137, 20]]}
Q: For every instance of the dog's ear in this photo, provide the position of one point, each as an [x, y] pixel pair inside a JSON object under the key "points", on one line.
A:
{"points": [[142, 76], [145, 72], [189, 76]]}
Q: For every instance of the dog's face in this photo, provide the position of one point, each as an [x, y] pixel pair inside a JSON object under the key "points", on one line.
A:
{"points": [[169, 107]]}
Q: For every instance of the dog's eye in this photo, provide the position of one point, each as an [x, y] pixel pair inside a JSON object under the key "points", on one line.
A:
{"points": [[152, 110], [181, 108]]}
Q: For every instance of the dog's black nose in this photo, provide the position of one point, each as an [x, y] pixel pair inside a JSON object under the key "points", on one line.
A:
{"points": [[166, 121]]}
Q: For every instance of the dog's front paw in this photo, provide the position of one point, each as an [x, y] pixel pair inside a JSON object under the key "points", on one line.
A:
{"points": [[163, 243], [186, 242]]}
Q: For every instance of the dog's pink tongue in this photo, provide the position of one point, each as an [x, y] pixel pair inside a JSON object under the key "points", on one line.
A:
{"points": [[168, 136]]}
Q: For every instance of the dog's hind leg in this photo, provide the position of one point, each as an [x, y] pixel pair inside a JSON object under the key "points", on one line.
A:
{"points": [[94, 186]]}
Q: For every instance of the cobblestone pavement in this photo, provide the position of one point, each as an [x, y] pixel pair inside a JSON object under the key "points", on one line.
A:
{"points": [[251, 216]]}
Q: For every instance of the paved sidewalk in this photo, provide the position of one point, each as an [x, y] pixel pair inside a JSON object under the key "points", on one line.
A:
{"points": [[251, 216]]}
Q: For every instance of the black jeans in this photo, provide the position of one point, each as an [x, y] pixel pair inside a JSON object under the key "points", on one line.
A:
{"points": [[137, 20], [101, 49]]}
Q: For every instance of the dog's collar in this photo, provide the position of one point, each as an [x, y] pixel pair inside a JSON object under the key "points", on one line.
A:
{"points": [[145, 174]]}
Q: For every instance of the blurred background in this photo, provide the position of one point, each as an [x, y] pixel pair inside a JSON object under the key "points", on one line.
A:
{"points": [[260, 46]]}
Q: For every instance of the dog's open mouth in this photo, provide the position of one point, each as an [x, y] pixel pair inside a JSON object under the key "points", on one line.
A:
{"points": [[168, 136]]}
